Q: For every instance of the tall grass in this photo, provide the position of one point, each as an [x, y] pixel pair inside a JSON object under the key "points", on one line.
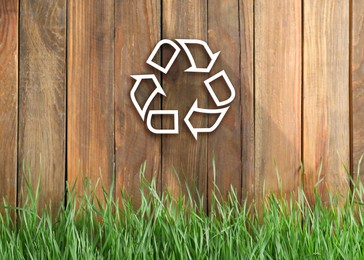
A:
{"points": [[167, 228]]}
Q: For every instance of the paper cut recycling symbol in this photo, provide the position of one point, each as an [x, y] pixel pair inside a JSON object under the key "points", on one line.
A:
{"points": [[221, 110]]}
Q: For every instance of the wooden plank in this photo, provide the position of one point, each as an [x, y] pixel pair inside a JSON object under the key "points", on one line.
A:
{"points": [[8, 99], [42, 90], [246, 14], [277, 96], [137, 32], [90, 93], [182, 155], [225, 141], [357, 74], [326, 96]]}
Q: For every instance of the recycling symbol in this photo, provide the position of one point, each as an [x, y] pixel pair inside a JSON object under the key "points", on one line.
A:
{"points": [[221, 104]]}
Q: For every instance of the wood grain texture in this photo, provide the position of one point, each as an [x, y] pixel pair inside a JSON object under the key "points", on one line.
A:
{"points": [[277, 96], [326, 95], [91, 93], [137, 32], [225, 141], [8, 99], [357, 70], [182, 155], [246, 18], [262, 51], [42, 99]]}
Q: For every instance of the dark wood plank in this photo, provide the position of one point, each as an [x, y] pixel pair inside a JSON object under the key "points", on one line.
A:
{"points": [[357, 70], [277, 96], [90, 93], [137, 28], [8, 99], [42, 90], [182, 156], [225, 141], [246, 14], [326, 96]]}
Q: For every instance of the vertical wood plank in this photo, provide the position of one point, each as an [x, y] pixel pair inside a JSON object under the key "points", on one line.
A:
{"points": [[42, 89], [182, 156], [278, 95], [326, 95], [91, 93], [246, 17], [357, 70], [225, 141], [8, 99], [137, 32]]}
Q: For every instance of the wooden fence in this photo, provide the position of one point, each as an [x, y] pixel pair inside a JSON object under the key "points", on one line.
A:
{"points": [[65, 111]]}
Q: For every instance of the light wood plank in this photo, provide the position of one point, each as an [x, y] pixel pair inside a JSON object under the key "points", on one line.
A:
{"points": [[357, 70], [8, 99], [246, 14], [277, 96], [91, 93], [42, 99], [326, 96]]}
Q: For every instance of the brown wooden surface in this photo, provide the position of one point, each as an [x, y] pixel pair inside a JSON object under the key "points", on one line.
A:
{"points": [[137, 32], [182, 156], [8, 99], [246, 16], [277, 95], [90, 93], [326, 95], [290, 66], [357, 67], [42, 99], [225, 142]]}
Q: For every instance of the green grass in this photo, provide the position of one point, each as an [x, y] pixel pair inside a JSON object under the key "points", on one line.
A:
{"points": [[164, 228]]}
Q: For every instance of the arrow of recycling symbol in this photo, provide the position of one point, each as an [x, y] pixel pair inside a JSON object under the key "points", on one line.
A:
{"points": [[195, 108], [193, 68], [159, 90], [219, 103]]}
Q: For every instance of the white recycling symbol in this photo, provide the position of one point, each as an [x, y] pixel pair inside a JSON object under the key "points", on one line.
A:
{"points": [[221, 104]]}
